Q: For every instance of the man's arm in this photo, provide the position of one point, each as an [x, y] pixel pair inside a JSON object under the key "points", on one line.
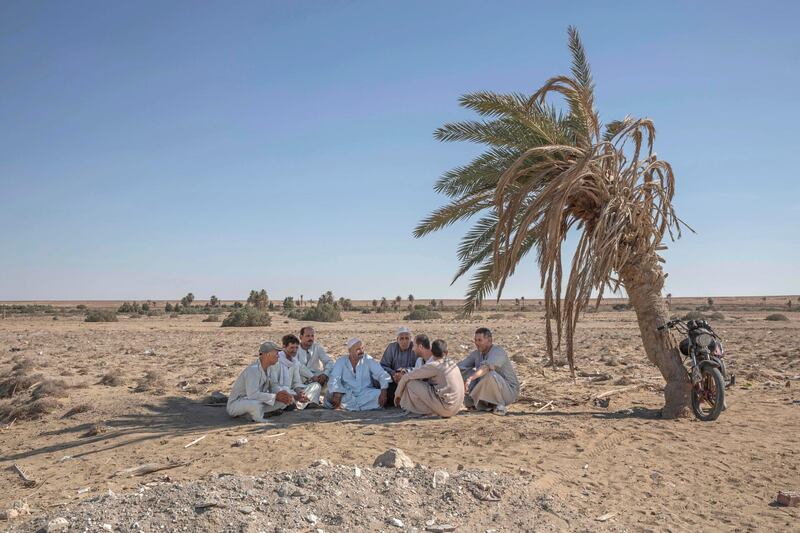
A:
{"points": [[468, 363], [387, 361], [253, 390], [335, 385], [379, 374], [325, 359]]}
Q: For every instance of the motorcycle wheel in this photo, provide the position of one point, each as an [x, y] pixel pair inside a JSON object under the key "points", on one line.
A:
{"points": [[708, 396]]}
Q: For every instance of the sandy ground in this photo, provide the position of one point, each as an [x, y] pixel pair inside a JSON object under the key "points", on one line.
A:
{"points": [[652, 474]]}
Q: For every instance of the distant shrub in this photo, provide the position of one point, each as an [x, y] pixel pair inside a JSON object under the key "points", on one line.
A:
{"points": [[776, 317], [211, 318], [320, 313], [247, 317], [366, 311], [168, 307], [699, 315], [155, 312], [82, 307], [422, 314], [101, 315], [620, 307]]}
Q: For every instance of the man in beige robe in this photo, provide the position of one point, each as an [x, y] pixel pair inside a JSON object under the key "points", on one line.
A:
{"points": [[435, 388]]}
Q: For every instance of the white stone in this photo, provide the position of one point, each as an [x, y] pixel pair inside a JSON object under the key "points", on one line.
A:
{"points": [[396, 522], [58, 524], [440, 477]]}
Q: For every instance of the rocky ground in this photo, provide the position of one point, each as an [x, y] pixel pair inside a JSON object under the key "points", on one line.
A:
{"points": [[104, 404]]}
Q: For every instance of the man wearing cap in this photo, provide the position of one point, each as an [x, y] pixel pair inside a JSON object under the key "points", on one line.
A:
{"points": [[315, 363], [289, 380], [256, 391], [490, 381], [398, 358], [351, 385]]}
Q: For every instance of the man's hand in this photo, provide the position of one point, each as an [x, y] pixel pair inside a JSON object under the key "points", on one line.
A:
{"points": [[284, 397], [336, 400], [301, 397], [322, 379], [398, 375], [383, 397], [467, 383], [397, 400]]}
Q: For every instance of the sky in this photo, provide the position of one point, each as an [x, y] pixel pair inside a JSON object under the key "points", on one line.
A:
{"points": [[149, 149]]}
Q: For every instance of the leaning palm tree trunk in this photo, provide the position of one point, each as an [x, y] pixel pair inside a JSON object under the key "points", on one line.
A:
{"points": [[644, 280]]}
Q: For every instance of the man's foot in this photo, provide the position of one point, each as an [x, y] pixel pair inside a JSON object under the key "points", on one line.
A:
{"points": [[500, 409]]}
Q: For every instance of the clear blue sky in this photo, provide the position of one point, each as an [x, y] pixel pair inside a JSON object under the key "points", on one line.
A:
{"points": [[148, 149]]}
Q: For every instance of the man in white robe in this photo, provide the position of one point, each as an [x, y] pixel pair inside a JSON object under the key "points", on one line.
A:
{"points": [[315, 364], [256, 391], [351, 385], [289, 375]]}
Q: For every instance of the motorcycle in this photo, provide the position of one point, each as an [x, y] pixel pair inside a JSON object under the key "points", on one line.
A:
{"points": [[704, 352]]}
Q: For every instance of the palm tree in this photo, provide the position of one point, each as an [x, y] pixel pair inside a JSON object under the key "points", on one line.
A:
{"points": [[548, 171]]}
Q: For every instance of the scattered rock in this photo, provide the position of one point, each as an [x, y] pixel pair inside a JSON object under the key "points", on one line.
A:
{"points": [[57, 524], [241, 441], [440, 528], [357, 472], [311, 518], [321, 462], [246, 510], [217, 397], [788, 498], [396, 522], [440, 477], [394, 458]]}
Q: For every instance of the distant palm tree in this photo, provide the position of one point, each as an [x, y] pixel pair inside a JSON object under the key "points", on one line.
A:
{"points": [[548, 171]]}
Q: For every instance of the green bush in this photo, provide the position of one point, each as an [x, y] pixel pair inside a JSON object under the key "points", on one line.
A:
{"points": [[422, 314], [776, 317], [320, 313], [101, 315], [247, 317]]}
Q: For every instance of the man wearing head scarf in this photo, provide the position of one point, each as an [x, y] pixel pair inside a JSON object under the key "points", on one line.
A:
{"points": [[256, 391], [351, 385], [398, 358], [435, 388]]}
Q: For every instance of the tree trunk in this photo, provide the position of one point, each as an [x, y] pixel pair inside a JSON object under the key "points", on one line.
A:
{"points": [[643, 280]]}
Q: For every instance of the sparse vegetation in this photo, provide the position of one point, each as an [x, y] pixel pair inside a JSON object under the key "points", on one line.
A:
{"points": [[776, 317], [112, 378], [29, 411], [101, 315], [151, 381], [322, 312], [258, 299], [50, 388], [213, 317], [422, 313], [247, 317], [78, 409], [701, 315]]}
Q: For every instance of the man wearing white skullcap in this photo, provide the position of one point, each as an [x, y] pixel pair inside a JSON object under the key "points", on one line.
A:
{"points": [[350, 387], [398, 358], [257, 389]]}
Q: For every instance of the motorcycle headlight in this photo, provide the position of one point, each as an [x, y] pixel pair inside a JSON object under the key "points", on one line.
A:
{"points": [[704, 340]]}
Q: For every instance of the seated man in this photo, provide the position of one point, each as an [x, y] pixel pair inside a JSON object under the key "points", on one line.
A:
{"points": [[433, 389], [490, 381], [398, 358], [315, 363], [289, 378], [350, 387], [256, 390]]}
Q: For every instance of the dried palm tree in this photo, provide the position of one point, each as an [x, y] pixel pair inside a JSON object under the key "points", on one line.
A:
{"points": [[549, 171]]}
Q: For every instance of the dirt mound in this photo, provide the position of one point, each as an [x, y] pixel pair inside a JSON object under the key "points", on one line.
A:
{"points": [[328, 497]]}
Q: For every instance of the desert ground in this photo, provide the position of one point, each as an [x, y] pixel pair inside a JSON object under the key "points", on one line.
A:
{"points": [[135, 392]]}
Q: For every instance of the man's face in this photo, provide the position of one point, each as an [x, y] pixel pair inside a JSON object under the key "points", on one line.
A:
{"points": [[290, 350], [357, 350], [307, 338], [482, 342], [268, 358], [404, 340]]}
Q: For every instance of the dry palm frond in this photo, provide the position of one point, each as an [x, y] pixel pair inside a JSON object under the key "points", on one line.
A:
{"points": [[545, 175]]}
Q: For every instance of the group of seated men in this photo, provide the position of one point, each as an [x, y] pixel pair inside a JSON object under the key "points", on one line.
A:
{"points": [[416, 375]]}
